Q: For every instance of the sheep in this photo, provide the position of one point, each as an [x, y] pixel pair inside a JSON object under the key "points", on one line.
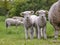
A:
{"points": [[41, 23], [19, 18], [54, 17], [11, 21], [28, 22]]}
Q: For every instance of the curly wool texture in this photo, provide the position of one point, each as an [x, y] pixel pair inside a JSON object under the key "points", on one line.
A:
{"points": [[54, 14]]}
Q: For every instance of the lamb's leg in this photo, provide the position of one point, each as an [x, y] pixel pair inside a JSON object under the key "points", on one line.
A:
{"points": [[26, 33], [44, 32], [31, 33], [39, 32], [36, 31]]}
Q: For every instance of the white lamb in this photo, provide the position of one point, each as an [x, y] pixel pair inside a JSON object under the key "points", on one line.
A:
{"points": [[41, 23], [28, 22]]}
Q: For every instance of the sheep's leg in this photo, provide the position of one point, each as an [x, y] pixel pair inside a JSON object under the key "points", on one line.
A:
{"points": [[6, 25], [31, 33], [56, 32], [26, 33], [36, 32], [44, 32], [9, 25], [39, 32], [16, 26]]}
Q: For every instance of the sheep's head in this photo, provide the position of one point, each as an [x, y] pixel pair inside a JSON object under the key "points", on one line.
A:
{"points": [[27, 14], [41, 13]]}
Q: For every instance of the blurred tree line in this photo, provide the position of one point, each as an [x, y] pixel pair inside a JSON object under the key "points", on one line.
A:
{"points": [[15, 7]]}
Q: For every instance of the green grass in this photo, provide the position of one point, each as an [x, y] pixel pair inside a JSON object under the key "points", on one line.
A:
{"points": [[13, 36]]}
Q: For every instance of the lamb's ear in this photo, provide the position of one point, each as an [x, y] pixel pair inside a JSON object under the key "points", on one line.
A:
{"points": [[32, 12], [37, 13], [22, 14]]}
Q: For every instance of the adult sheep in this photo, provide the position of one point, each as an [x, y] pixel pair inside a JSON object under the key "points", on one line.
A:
{"points": [[28, 21], [11, 21], [41, 23], [54, 17]]}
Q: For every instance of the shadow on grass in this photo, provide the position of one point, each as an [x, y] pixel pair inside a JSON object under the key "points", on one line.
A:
{"points": [[50, 37]]}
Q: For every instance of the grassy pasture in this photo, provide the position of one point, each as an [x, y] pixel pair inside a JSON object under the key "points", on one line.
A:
{"points": [[13, 36]]}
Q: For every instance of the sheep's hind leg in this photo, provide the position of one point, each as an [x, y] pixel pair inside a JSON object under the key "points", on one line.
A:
{"points": [[56, 31], [56, 34]]}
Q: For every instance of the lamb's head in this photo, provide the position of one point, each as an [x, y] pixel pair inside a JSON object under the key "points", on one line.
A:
{"points": [[27, 14], [41, 13]]}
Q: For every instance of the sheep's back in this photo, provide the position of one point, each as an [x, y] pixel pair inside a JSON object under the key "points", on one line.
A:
{"points": [[54, 14], [11, 21]]}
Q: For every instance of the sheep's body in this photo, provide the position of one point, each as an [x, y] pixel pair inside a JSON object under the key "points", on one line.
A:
{"points": [[19, 18], [29, 23], [41, 23], [52, 12], [11, 21], [33, 18], [16, 17], [54, 16]]}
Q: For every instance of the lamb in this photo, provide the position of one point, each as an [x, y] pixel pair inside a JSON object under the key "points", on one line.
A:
{"points": [[41, 23], [11, 21], [28, 22], [54, 17]]}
